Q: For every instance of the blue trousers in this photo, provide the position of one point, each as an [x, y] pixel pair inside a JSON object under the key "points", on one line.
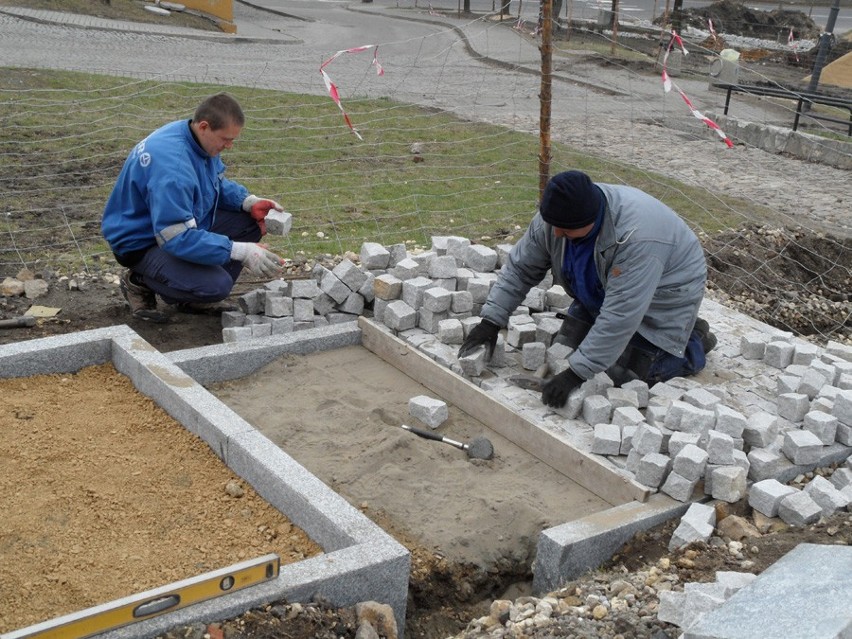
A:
{"points": [[179, 281], [641, 358]]}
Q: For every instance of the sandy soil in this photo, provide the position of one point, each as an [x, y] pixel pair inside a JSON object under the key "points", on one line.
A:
{"points": [[105, 495]]}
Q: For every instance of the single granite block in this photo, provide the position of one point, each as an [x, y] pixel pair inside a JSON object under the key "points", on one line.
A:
{"points": [[729, 483], [399, 316], [802, 447], [765, 496], [652, 469], [778, 354], [607, 439], [689, 463], [387, 287], [374, 256], [761, 430], [720, 448], [793, 406], [799, 509], [350, 274], [823, 425], [678, 487], [450, 331], [829, 498], [432, 412]]}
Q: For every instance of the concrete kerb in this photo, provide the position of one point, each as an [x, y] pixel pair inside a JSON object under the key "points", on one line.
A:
{"points": [[782, 139], [360, 562], [568, 551], [224, 362]]}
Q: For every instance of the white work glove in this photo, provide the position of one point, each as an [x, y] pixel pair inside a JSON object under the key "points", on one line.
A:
{"points": [[259, 208], [257, 259]]}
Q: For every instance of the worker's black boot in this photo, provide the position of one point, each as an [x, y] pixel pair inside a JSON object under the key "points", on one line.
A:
{"points": [[572, 332], [708, 339], [620, 375]]}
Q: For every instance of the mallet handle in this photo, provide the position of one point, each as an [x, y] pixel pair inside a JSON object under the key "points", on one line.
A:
{"points": [[427, 434]]}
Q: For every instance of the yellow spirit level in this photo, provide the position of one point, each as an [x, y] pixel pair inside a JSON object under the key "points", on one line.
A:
{"points": [[151, 603]]}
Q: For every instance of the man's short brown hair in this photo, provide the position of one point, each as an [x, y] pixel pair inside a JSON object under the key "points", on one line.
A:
{"points": [[219, 111]]}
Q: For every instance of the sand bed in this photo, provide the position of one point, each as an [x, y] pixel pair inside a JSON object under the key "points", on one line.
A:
{"points": [[339, 413]]}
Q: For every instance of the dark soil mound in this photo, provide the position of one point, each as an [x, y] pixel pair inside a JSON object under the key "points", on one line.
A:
{"points": [[792, 279], [734, 18]]}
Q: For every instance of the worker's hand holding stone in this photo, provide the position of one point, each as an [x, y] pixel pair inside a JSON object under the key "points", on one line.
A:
{"points": [[257, 259], [555, 391], [484, 333], [259, 208]]}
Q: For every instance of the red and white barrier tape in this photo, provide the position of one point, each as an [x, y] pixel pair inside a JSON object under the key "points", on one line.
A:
{"points": [[668, 84], [792, 42], [332, 88]]}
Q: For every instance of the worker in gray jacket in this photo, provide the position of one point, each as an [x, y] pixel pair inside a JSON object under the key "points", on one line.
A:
{"points": [[635, 271]]}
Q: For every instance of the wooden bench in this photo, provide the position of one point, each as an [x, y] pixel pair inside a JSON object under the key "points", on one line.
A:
{"points": [[804, 100]]}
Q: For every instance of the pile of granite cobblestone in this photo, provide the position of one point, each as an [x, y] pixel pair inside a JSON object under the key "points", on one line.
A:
{"points": [[680, 437]]}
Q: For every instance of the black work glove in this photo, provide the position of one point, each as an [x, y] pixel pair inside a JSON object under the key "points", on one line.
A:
{"points": [[555, 391], [484, 333]]}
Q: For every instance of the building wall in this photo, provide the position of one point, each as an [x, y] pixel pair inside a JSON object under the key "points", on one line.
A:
{"points": [[222, 10]]}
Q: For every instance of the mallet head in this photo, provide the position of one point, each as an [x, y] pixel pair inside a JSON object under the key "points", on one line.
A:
{"points": [[480, 448]]}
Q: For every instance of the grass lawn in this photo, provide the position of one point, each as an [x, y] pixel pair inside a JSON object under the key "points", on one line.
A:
{"points": [[416, 172]]}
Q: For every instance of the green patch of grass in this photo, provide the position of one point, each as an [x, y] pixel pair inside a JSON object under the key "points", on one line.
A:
{"points": [[600, 47], [416, 173]]}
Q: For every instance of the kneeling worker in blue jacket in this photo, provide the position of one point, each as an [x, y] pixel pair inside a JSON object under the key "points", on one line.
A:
{"points": [[635, 271], [181, 228]]}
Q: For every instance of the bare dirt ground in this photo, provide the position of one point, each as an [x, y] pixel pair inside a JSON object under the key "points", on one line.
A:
{"points": [[106, 496]]}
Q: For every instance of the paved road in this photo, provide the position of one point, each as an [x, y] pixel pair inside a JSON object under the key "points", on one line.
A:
{"points": [[479, 69]]}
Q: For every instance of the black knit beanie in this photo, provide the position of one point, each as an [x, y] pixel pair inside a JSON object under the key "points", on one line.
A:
{"points": [[570, 200]]}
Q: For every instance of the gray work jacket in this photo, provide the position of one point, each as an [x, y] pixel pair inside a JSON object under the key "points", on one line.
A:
{"points": [[650, 263]]}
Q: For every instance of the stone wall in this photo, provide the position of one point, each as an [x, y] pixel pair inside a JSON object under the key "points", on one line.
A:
{"points": [[777, 139]]}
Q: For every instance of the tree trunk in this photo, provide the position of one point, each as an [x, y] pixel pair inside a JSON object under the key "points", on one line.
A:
{"points": [[546, 96], [614, 26], [677, 15]]}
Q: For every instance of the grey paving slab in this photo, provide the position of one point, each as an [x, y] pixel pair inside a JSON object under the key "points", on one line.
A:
{"points": [[805, 595]]}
